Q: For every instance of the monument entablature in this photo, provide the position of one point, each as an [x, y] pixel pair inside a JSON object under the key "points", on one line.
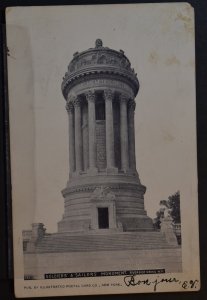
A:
{"points": [[99, 85]]}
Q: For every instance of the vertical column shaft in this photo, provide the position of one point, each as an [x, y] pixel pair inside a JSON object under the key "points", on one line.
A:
{"points": [[124, 133], [84, 112], [132, 156], [110, 162], [70, 110], [78, 136], [90, 96]]}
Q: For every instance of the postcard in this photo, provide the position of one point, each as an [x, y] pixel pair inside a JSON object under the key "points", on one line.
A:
{"points": [[102, 113]]}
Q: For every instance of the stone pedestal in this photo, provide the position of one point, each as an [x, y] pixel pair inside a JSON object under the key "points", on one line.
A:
{"points": [[168, 232], [37, 233]]}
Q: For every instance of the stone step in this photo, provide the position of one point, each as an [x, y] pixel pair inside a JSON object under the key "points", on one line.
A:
{"points": [[104, 243], [97, 240], [102, 233], [86, 248], [96, 247], [101, 242]]}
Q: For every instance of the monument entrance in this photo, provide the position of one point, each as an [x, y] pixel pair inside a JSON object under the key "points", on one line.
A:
{"points": [[103, 217]]}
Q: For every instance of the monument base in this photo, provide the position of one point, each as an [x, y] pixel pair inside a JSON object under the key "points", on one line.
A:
{"points": [[104, 201], [140, 251]]}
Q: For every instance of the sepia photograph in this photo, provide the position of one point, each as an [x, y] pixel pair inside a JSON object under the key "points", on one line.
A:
{"points": [[103, 149]]}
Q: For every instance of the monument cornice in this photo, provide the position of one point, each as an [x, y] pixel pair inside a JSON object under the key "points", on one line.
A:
{"points": [[96, 73], [69, 84]]}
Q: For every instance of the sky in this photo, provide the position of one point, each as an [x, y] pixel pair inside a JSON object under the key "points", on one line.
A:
{"points": [[159, 42]]}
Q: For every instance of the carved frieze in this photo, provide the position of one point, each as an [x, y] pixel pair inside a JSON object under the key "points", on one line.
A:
{"points": [[104, 57], [113, 186], [102, 84]]}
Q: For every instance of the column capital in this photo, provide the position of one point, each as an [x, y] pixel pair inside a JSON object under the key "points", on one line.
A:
{"points": [[108, 94], [124, 98], [90, 95], [71, 98], [69, 107], [76, 102], [132, 105]]}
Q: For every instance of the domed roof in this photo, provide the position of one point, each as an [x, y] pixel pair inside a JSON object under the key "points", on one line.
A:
{"points": [[97, 61]]}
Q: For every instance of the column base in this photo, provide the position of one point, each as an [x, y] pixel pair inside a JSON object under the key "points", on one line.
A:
{"points": [[125, 171], [111, 170], [77, 173], [92, 171], [71, 174], [132, 172]]}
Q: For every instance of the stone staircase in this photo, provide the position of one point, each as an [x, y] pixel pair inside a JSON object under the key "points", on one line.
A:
{"points": [[61, 242]]}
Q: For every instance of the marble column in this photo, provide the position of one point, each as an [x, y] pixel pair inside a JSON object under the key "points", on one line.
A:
{"points": [[90, 96], [124, 133], [70, 110], [110, 161], [132, 156], [78, 136], [84, 113]]}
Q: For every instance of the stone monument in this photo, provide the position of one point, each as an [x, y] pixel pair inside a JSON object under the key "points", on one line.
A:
{"points": [[104, 190], [104, 211]]}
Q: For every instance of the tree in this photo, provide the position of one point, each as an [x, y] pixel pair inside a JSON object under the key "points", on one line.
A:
{"points": [[172, 205]]}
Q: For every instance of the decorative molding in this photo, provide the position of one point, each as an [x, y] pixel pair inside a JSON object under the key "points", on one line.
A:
{"points": [[104, 56], [116, 186], [103, 194], [84, 86]]}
